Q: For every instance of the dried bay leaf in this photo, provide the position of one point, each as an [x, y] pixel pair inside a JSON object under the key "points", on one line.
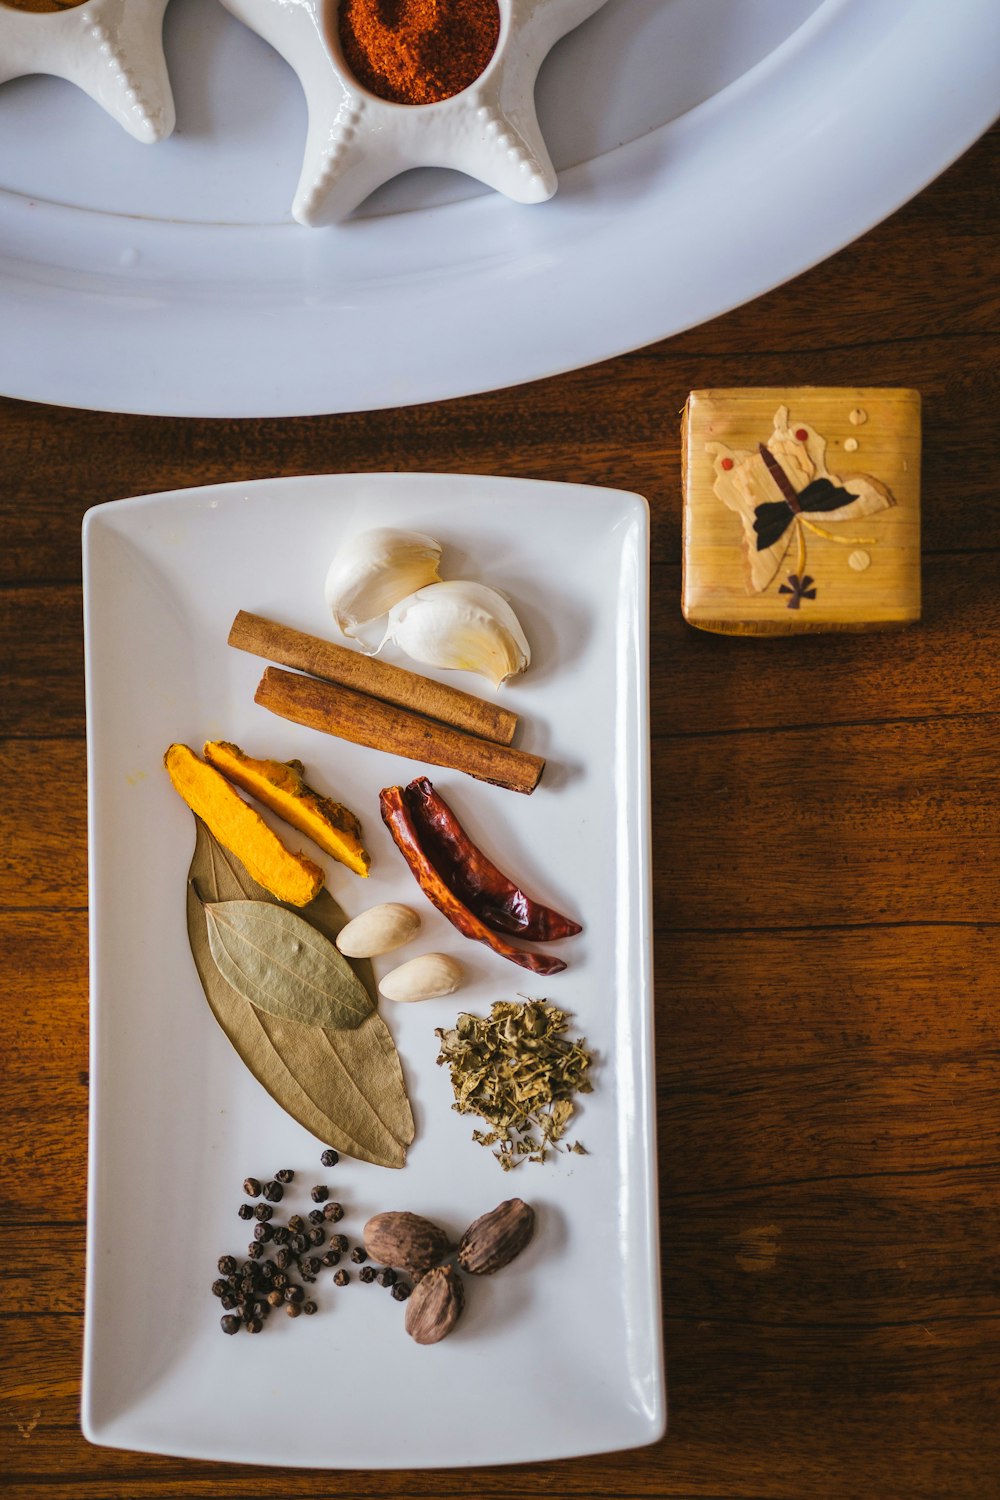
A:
{"points": [[345, 1087], [275, 959], [349, 1087]]}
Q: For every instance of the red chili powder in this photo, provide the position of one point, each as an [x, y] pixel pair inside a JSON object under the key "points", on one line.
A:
{"points": [[41, 6], [418, 51]]}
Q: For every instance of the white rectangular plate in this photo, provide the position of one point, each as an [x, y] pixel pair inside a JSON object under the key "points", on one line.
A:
{"points": [[560, 1354]]}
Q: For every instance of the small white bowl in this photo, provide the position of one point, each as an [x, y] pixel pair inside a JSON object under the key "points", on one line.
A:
{"points": [[356, 141]]}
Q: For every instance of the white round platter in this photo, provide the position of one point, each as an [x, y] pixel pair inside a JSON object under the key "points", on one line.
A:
{"points": [[708, 150]]}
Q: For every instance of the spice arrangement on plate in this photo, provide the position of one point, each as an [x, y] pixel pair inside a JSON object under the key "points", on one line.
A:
{"points": [[288, 974]]}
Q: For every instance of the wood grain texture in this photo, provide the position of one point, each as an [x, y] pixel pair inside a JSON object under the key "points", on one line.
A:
{"points": [[827, 898]]}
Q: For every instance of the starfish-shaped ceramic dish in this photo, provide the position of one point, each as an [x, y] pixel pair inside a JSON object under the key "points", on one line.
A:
{"points": [[112, 49], [355, 141]]}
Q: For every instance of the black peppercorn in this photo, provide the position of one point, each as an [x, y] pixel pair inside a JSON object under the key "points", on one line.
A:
{"points": [[367, 1274], [316, 1237], [283, 1260], [296, 1223], [319, 1193], [298, 1243], [292, 1309], [309, 1307], [227, 1264], [294, 1293], [267, 1270], [312, 1265], [285, 1175], [275, 1298], [341, 1278], [254, 1325], [263, 1233], [228, 1301], [255, 1251], [273, 1192], [333, 1213], [230, 1323], [359, 1254], [401, 1291], [280, 1235], [387, 1277], [247, 1268], [247, 1285], [220, 1288], [280, 1280], [263, 1212], [315, 1216], [338, 1242], [245, 1211], [252, 1187], [330, 1157], [331, 1258]]}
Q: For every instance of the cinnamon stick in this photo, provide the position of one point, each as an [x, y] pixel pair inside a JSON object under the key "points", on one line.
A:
{"points": [[352, 669], [369, 721]]}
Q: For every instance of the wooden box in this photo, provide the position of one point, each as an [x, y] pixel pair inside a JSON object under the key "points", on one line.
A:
{"points": [[801, 509]]}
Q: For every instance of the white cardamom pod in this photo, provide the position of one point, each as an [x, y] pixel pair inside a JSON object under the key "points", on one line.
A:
{"points": [[465, 626], [373, 570]]}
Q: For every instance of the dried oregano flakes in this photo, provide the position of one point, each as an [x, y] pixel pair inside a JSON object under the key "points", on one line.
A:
{"points": [[516, 1069]]}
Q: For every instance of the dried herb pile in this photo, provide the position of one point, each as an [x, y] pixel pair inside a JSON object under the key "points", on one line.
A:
{"points": [[516, 1069]]}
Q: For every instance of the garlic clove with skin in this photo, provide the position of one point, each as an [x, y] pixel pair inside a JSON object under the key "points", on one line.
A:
{"points": [[374, 569], [460, 625]]}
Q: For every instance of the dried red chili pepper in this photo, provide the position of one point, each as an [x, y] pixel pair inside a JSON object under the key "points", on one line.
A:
{"points": [[398, 819], [488, 893]]}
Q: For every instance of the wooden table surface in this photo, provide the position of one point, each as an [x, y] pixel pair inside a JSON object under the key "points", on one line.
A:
{"points": [[827, 865]]}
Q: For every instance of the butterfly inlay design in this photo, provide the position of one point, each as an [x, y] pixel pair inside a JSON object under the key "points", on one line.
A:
{"points": [[778, 489]]}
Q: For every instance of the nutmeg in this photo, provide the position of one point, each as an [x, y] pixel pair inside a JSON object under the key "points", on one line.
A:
{"points": [[406, 1241], [435, 1305], [495, 1239]]}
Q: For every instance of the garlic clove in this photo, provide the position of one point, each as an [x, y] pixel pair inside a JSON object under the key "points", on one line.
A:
{"points": [[460, 625], [422, 978], [374, 569], [380, 929]]}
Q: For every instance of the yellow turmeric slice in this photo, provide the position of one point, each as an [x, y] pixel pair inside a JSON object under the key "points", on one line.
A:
{"points": [[279, 785], [242, 830]]}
